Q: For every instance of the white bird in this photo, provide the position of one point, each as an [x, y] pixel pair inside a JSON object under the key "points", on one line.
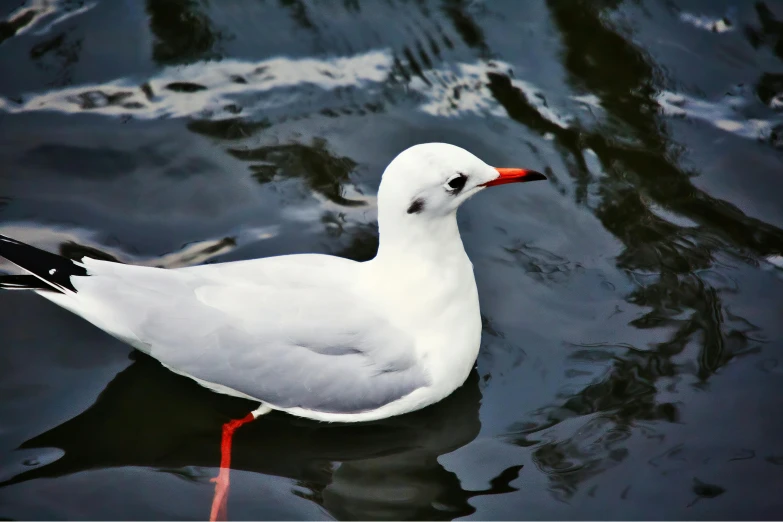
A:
{"points": [[313, 335]]}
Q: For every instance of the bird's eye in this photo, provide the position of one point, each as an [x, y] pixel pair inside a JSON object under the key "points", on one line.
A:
{"points": [[457, 182]]}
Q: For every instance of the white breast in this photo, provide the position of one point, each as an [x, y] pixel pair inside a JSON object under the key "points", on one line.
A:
{"points": [[438, 303]]}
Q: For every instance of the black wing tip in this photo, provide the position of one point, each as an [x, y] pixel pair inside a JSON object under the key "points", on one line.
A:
{"points": [[54, 270], [25, 282], [10, 240]]}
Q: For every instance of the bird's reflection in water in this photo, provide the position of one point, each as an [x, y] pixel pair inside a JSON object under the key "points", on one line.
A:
{"points": [[148, 416]]}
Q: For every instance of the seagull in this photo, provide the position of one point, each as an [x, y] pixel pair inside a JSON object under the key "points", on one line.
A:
{"points": [[313, 335]]}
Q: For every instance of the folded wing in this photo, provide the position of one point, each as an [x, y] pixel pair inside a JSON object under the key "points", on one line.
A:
{"points": [[317, 346]]}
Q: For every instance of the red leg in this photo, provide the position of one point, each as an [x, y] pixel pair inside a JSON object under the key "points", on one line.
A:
{"points": [[219, 510]]}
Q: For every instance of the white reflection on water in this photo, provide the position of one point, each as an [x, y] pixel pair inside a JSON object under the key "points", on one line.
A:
{"points": [[195, 253], [715, 25], [44, 13], [723, 114], [216, 90], [204, 88]]}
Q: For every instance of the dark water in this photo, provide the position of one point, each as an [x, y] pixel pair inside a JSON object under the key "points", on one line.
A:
{"points": [[631, 361]]}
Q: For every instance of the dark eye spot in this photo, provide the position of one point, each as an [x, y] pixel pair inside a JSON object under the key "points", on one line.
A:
{"points": [[416, 207], [457, 183]]}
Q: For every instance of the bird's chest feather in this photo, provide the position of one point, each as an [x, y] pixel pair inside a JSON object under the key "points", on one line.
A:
{"points": [[438, 305]]}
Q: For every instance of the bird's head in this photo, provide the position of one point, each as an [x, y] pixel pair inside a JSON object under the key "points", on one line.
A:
{"points": [[432, 180]]}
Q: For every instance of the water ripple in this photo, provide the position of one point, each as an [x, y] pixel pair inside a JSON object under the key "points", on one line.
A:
{"points": [[210, 89], [227, 90], [43, 14], [724, 114]]}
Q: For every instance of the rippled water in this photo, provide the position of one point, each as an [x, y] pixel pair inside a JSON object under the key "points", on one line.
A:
{"points": [[630, 363]]}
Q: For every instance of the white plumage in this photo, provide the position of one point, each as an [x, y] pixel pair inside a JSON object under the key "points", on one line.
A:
{"points": [[313, 335]]}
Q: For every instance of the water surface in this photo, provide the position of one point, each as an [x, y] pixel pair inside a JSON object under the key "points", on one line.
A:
{"points": [[631, 358]]}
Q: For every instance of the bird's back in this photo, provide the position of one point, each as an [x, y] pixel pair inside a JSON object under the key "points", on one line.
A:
{"points": [[296, 270], [292, 331]]}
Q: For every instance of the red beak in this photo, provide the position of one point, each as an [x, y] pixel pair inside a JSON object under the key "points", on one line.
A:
{"points": [[514, 176]]}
